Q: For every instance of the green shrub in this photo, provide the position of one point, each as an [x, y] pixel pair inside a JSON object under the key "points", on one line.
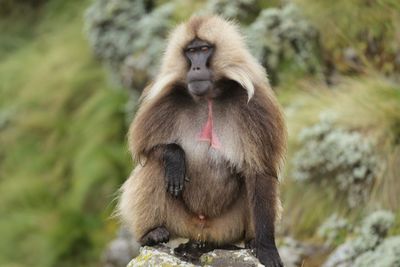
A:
{"points": [[334, 229], [129, 36], [283, 40], [369, 28], [331, 156], [370, 238]]}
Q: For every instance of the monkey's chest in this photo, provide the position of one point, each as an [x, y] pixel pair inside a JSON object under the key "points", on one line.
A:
{"points": [[212, 151]]}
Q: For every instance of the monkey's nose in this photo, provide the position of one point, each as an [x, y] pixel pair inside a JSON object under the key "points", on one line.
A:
{"points": [[199, 88]]}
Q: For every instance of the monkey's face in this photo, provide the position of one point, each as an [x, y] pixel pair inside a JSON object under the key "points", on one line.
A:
{"points": [[202, 53], [199, 76]]}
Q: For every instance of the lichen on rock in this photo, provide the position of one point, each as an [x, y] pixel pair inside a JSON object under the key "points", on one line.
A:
{"points": [[162, 255], [157, 256], [292, 253]]}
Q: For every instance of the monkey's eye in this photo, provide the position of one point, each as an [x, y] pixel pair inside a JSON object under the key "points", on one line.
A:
{"points": [[191, 50], [204, 48]]}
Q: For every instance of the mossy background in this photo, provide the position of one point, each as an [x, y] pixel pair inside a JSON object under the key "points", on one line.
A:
{"points": [[63, 124]]}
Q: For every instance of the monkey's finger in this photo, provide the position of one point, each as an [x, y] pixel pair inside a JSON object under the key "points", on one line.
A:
{"points": [[180, 183], [187, 179], [176, 191], [171, 189], [175, 187]]}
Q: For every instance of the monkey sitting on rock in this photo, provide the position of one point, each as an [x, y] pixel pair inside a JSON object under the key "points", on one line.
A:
{"points": [[209, 137]]}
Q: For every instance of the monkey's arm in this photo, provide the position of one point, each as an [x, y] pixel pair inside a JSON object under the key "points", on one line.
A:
{"points": [[175, 168], [263, 198]]}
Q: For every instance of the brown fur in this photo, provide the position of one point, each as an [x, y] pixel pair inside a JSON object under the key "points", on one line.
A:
{"points": [[223, 182]]}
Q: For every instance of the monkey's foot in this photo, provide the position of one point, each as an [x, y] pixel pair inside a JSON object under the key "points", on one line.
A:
{"points": [[155, 236], [192, 251], [251, 244], [269, 257]]}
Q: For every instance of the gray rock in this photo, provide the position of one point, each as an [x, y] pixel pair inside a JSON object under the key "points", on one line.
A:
{"points": [[121, 250], [292, 253], [163, 256], [157, 256], [233, 258]]}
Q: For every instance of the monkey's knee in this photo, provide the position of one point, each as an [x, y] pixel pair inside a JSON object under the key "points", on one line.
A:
{"points": [[141, 205]]}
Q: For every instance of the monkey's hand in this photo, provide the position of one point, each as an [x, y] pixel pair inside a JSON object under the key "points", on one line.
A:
{"points": [[269, 257], [175, 169]]}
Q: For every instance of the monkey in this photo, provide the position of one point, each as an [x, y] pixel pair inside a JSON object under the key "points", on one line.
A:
{"points": [[209, 138]]}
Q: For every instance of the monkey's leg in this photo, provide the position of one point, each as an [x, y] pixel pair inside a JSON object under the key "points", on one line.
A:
{"points": [[142, 203], [145, 203], [263, 198], [175, 168]]}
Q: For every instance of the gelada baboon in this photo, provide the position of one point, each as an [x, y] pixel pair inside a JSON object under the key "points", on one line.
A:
{"points": [[209, 139]]}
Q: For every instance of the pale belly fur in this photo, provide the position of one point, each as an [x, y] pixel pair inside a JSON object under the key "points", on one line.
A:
{"points": [[213, 185]]}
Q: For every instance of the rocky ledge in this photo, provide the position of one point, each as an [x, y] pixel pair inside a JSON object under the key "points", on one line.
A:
{"points": [[164, 256], [292, 252]]}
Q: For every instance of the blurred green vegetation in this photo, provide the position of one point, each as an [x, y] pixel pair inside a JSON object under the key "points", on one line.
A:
{"points": [[63, 152], [370, 27], [62, 139], [369, 105]]}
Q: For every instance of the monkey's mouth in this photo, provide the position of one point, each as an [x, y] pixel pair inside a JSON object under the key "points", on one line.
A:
{"points": [[200, 87]]}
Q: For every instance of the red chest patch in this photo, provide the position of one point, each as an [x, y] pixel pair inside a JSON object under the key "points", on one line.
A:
{"points": [[207, 133]]}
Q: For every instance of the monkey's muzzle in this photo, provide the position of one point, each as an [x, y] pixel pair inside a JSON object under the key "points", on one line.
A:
{"points": [[199, 88]]}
